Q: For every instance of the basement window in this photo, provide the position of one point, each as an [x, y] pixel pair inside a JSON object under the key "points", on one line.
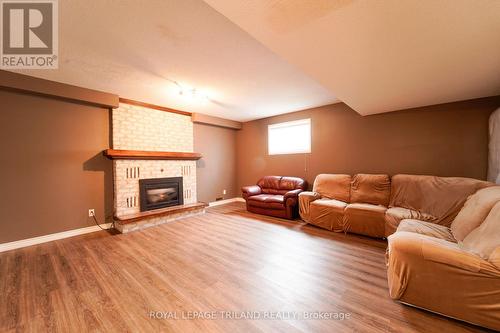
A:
{"points": [[292, 137]]}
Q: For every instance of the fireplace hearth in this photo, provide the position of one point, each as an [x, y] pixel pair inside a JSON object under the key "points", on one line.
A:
{"points": [[159, 193]]}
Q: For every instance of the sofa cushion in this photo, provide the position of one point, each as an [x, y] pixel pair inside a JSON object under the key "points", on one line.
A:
{"points": [[280, 185], [292, 183], [372, 189], [365, 219], [495, 257], [273, 201], [333, 186], [426, 228], [486, 238], [270, 185], [327, 213], [474, 212], [420, 193], [394, 215]]}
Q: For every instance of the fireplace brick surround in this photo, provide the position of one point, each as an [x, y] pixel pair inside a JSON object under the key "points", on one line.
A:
{"points": [[141, 128]]}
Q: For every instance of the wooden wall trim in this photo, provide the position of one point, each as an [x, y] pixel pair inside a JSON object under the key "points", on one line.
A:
{"points": [[215, 121], [120, 154], [160, 212], [153, 106], [50, 237], [35, 86]]}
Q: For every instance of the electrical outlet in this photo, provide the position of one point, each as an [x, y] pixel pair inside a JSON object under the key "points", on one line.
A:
{"points": [[91, 212], [224, 192]]}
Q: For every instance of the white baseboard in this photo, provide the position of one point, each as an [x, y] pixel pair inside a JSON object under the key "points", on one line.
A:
{"points": [[223, 202], [75, 232], [48, 238]]}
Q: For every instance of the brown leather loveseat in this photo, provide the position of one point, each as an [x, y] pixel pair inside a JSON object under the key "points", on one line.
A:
{"points": [[275, 196]]}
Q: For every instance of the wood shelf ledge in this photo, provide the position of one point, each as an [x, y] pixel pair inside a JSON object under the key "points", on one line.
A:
{"points": [[116, 154], [160, 212]]}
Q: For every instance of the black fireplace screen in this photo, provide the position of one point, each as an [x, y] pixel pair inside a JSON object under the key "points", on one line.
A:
{"points": [[160, 192]]}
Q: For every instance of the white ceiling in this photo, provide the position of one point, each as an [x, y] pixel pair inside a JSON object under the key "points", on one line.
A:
{"points": [[265, 57], [137, 48], [382, 55]]}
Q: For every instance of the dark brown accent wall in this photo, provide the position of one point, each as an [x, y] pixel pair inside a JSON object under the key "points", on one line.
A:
{"points": [[51, 167], [446, 140], [216, 170]]}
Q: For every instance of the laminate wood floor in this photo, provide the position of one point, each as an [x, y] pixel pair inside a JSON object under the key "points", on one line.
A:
{"points": [[227, 264]]}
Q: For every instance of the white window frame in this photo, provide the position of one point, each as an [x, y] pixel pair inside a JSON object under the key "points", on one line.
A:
{"points": [[307, 150]]}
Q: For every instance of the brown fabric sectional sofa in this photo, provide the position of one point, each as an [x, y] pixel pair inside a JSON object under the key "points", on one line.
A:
{"points": [[443, 236], [451, 270], [374, 205]]}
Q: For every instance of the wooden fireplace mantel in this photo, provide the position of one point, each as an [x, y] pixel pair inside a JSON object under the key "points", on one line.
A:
{"points": [[116, 154]]}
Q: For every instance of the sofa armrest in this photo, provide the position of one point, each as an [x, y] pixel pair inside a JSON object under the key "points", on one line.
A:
{"points": [[308, 196], [403, 243], [305, 199], [291, 197], [432, 273], [248, 191]]}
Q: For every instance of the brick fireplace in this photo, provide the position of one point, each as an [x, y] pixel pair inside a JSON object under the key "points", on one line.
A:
{"points": [[139, 128]]}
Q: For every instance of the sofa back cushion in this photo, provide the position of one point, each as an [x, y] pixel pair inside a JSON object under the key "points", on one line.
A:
{"points": [[280, 185], [485, 239], [270, 184], [333, 186], [292, 183], [440, 197], [372, 189], [475, 210]]}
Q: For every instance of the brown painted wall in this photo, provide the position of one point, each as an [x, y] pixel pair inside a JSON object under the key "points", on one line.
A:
{"points": [[445, 140], [216, 170], [51, 167]]}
